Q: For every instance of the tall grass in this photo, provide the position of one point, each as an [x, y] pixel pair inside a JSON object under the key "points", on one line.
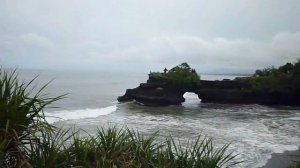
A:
{"points": [[114, 147], [27, 140], [21, 113]]}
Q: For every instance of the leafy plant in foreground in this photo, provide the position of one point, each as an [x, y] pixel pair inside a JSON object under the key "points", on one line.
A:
{"points": [[21, 112], [114, 147], [47, 148]]}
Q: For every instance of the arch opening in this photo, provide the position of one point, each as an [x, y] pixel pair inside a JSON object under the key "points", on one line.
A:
{"points": [[191, 98]]}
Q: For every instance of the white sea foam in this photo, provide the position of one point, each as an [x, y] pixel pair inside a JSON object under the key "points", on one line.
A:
{"points": [[295, 118], [62, 115], [191, 99], [254, 140]]}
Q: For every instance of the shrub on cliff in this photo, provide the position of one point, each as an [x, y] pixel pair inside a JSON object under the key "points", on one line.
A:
{"points": [[285, 79], [181, 76], [295, 165], [296, 77]]}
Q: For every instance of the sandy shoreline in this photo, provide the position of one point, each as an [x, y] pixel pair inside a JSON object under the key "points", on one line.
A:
{"points": [[282, 160]]}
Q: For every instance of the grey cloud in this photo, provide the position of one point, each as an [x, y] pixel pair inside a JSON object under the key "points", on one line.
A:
{"points": [[168, 50], [71, 34], [241, 53]]}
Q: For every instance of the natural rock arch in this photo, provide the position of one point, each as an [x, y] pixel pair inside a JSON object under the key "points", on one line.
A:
{"points": [[159, 93]]}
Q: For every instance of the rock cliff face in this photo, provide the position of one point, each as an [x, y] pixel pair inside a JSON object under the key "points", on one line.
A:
{"points": [[159, 93]]}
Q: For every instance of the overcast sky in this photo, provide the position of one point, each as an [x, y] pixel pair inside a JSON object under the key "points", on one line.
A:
{"points": [[212, 35]]}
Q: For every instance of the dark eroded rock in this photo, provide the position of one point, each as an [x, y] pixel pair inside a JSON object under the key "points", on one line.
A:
{"points": [[238, 91]]}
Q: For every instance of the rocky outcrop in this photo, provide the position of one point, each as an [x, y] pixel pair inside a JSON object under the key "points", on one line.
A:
{"points": [[160, 93], [154, 93]]}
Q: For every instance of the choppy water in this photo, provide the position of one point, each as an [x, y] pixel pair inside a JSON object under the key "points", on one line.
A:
{"points": [[254, 131]]}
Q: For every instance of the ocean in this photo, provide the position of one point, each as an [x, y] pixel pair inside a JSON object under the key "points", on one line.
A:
{"points": [[253, 131]]}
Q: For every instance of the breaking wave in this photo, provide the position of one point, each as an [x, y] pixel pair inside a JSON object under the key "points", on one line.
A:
{"points": [[62, 115]]}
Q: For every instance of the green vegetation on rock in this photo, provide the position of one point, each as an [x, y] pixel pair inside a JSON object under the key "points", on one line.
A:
{"points": [[296, 165], [285, 79], [181, 76]]}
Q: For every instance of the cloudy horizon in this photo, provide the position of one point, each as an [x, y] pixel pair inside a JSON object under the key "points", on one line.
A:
{"points": [[235, 36]]}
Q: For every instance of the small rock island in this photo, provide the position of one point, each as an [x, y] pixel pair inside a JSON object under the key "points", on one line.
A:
{"points": [[269, 86]]}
